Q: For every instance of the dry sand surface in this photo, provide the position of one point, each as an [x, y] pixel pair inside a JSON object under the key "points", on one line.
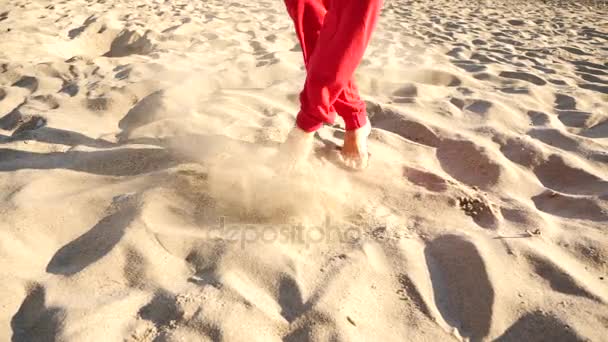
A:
{"points": [[142, 199]]}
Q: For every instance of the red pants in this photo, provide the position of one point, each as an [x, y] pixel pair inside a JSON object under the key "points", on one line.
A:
{"points": [[333, 35]]}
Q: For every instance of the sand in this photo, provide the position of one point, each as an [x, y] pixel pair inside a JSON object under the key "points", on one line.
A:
{"points": [[142, 198]]}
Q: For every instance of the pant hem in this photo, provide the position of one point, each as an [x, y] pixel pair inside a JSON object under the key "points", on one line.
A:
{"points": [[307, 123], [355, 121]]}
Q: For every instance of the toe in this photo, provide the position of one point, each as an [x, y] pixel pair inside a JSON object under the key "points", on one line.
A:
{"points": [[353, 163]]}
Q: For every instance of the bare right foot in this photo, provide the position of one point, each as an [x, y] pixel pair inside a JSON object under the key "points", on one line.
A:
{"points": [[354, 153]]}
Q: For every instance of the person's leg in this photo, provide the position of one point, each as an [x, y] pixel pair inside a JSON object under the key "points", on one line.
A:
{"points": [[342, 41], [344, 35], [350, 107], [354, 33], [308, 17]]}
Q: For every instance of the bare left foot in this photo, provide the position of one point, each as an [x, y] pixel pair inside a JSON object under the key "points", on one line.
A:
{"points": [[354, 153], [297, 148]]}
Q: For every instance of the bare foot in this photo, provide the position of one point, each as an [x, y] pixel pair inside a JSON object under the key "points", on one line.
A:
{"points": [[296, 148], [354, 153]]}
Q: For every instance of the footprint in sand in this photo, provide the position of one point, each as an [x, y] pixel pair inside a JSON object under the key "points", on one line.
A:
{"points": [[593, 66], [597, 155], [540, 326], [70, 88], [575, 51], [557, 278], [35, 321], [584, 70], [392, 121], [538, 118], [560, 176], [515, 90], [599, 130], [480, 107], [79, 253], [463, 292], [574, 207], [516, 22], [523, 76], [564, 102], [28, 82], [574, 118], [12, 119], [469, 66], [129, 42], [468, 163], [520, 151], [427, 180], [593, 79], [556, 138], [557, 82], [595, 87], [520, 215]]}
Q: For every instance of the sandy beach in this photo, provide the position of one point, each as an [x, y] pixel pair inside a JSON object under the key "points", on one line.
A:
{"points": [[142, 197]]}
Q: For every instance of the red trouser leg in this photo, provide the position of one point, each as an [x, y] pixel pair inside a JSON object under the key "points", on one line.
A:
{"points": [[333, 35]]}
